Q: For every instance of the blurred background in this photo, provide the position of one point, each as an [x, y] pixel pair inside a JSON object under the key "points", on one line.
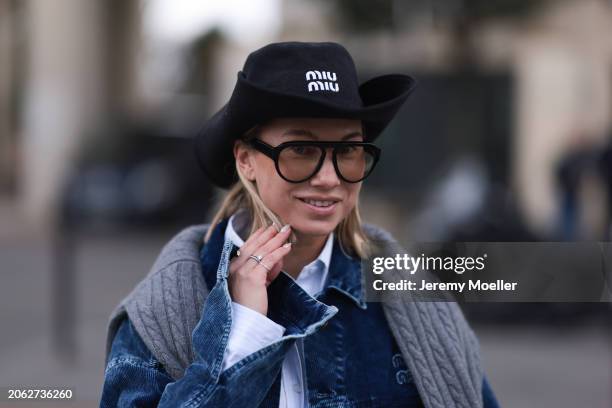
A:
{"points": [[507, 138]]}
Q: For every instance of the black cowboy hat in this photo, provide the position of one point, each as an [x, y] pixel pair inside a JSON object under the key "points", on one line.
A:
{"points": [[296, 79]]}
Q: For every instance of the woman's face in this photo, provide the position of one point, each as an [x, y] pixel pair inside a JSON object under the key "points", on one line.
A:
{"points": [[289, 200]]}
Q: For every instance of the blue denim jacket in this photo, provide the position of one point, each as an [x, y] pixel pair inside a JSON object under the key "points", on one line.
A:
{"points": [[351, 357]]}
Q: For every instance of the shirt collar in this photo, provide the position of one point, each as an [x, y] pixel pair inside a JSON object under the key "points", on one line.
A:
{"points": [[324, 256], [326, 253], [231, 233], [314, 275], [340, 271]]}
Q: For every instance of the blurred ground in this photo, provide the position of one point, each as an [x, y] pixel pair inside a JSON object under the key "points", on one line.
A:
{"points": [[527, 366], [547, 367]]}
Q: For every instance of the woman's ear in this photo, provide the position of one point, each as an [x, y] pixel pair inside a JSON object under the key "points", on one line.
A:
{"points": [[244, 159]]}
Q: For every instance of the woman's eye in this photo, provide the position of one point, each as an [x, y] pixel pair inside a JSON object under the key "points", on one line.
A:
{"points": [[302, 150], [346, 149]]}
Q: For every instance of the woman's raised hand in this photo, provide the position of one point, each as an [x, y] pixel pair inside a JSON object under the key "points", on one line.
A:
{"points": [[248, 279]]}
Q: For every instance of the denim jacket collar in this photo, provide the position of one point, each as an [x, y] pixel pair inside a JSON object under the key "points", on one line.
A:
{"points": [[345, 275], [344, 271]]}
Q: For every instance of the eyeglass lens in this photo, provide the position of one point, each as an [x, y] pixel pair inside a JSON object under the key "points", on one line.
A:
{"points": [[298, 163]]}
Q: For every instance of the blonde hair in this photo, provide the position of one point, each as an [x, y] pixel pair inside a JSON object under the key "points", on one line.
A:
{"points": [[244, 195]]}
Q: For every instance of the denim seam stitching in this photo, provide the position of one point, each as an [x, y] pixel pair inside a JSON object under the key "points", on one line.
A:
{"points": [[132, 361], [231, 371], [217, 364]]}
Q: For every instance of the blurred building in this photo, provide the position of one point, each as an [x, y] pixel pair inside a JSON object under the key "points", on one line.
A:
{"points": [[64, 67]]}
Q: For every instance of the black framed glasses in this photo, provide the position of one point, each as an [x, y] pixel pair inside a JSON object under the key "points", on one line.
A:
{"points": [[298, 161]]}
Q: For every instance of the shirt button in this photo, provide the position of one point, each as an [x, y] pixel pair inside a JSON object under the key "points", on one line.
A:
{"points": [[297, 388]]}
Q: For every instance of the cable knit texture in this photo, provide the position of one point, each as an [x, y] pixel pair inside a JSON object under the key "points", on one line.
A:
{"points": [[436, 342]]}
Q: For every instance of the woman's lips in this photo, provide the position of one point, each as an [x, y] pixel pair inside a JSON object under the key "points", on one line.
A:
{"points": [[320, 210]]}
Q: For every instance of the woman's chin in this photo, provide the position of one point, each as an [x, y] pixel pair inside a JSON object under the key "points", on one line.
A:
{"points": [[315, 228]]}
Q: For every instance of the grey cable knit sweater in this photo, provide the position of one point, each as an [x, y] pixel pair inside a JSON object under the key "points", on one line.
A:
{"points": [[436, 342]]}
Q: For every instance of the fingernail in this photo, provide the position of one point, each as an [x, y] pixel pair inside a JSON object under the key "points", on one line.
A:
{"points": [[287, 245], [285, 227]]}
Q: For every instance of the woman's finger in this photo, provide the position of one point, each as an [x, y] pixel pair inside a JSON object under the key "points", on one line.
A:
{"points": [[274, 257], [254, 242], [275, 242], [238, 261]]}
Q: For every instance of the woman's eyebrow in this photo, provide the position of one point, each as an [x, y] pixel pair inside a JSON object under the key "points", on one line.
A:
{"points": [[299, 132], [351, 135], [308, 133]]}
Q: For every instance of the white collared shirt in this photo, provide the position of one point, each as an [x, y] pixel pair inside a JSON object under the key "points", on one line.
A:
{"points": [[252, 331]]}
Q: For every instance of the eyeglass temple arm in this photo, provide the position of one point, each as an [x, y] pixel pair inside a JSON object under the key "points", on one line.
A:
{"points": [[263, 147]]}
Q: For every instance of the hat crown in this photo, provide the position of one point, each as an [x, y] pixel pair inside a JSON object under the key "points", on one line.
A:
{"points": [[321, 71]]}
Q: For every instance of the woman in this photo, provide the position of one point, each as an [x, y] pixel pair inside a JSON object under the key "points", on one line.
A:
{"points": [[265, 305]]}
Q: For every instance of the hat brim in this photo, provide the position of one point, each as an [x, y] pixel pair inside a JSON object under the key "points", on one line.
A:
{"points": [[251, 104]]}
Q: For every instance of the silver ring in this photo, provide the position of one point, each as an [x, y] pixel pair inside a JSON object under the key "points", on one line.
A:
{"points": [[257, 258], [264, 265]]}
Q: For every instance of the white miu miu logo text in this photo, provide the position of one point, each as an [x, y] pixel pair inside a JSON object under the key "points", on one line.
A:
{"points": [[328, 84]]}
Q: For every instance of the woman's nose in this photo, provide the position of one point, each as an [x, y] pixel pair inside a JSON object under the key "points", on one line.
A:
{"points": [[326, 176]]}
